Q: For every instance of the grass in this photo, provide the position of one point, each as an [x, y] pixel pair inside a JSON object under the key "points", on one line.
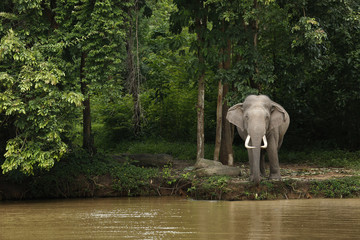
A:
{"points": [[323, 158]]}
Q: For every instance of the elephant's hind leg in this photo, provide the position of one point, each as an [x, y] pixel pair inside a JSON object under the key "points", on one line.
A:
{"points": [[262, 164]]}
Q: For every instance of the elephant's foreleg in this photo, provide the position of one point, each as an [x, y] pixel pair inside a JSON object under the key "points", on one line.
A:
{"points": [[272, 151]]}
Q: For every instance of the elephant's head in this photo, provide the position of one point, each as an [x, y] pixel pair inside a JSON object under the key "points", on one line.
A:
{"points": [[254, 119]]}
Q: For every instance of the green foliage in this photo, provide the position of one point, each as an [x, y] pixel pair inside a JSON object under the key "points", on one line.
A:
{"points": [[179, 150], [131, 180], [41, 50], [33, 103], [311, 33], [337, 188], [319, 99], [69, 176], [211, 188], [303, 54], [74, 175], [114, 118], [323, 158], [169, 101], [168, 175]]}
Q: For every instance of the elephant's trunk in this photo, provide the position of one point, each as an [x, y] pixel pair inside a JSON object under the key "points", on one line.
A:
{"points": [[253, 144], [255, 169]]}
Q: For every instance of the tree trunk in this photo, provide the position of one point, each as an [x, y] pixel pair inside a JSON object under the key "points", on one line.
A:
{"points": [[200, 25], [219, 105], [218, 121], [226, 151], [88, 140], [200, 117], [255, 27], [133, 71]]}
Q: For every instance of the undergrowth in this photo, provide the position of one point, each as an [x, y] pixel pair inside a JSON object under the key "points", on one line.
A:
{"points": [[61, 180], [337, 188], [323, 158], [179, 150], [211, 188], [130, 180]]}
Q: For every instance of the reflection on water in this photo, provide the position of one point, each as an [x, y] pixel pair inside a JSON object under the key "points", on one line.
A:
{"points": [[174, 218]]}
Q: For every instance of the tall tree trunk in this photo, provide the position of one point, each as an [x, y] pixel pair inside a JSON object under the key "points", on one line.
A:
{"points": [[136, 94], [226, 150], [88, 139], [255, 27], [133, 69], [200, 24], [218, 120], [200, 117]]}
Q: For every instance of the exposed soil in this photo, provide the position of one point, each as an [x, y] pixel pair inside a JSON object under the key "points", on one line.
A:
{"points": [[303, 172], [288, 171]]}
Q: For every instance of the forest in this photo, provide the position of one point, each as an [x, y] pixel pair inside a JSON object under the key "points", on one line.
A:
{"points": [[101, 76]]}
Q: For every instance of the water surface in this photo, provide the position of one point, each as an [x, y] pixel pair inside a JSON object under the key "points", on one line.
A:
{"points": [[174, 218]]}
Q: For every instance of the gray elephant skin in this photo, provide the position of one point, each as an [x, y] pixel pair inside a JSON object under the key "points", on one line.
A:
{"points": [[262, 124]]}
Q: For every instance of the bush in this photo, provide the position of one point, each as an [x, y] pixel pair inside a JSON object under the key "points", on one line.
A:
{"points": [[131, 180], [337, 188]]}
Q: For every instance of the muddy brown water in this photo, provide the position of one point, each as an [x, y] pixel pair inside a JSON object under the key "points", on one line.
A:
{"points": [[175, 218]]}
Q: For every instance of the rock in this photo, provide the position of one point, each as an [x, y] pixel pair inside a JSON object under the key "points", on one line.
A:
{"points": [[218, 171], [207, 168], [191, 168], [146, 159], [204, 163]]}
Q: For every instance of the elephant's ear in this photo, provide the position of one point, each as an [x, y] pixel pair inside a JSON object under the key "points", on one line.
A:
{"points": [[278, 116], [235, 115]]}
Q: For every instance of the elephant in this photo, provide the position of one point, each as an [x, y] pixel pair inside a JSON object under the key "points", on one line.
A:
{"points": [[262, 124]]}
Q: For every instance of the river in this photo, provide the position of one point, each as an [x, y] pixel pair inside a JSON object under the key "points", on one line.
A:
{"points": [[176, 218]]}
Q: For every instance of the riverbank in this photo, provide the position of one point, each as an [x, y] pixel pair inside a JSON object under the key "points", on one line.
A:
{"points": [[161, 175]]}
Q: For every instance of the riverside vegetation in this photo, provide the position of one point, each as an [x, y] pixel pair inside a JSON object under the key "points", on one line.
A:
{"points": [[329, 174]]}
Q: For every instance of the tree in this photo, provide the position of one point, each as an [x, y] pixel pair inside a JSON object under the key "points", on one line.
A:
{"points": [[135, 10], [93, 32], [169, 93], [195, 14], [33, 104], [72, 47]]}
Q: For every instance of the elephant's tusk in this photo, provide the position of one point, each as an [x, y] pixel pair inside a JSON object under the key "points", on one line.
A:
{"points": [[265, 142], [247, 143]]}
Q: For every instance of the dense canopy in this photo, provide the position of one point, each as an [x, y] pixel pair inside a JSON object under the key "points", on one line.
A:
{"points": [[97, 73]]}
